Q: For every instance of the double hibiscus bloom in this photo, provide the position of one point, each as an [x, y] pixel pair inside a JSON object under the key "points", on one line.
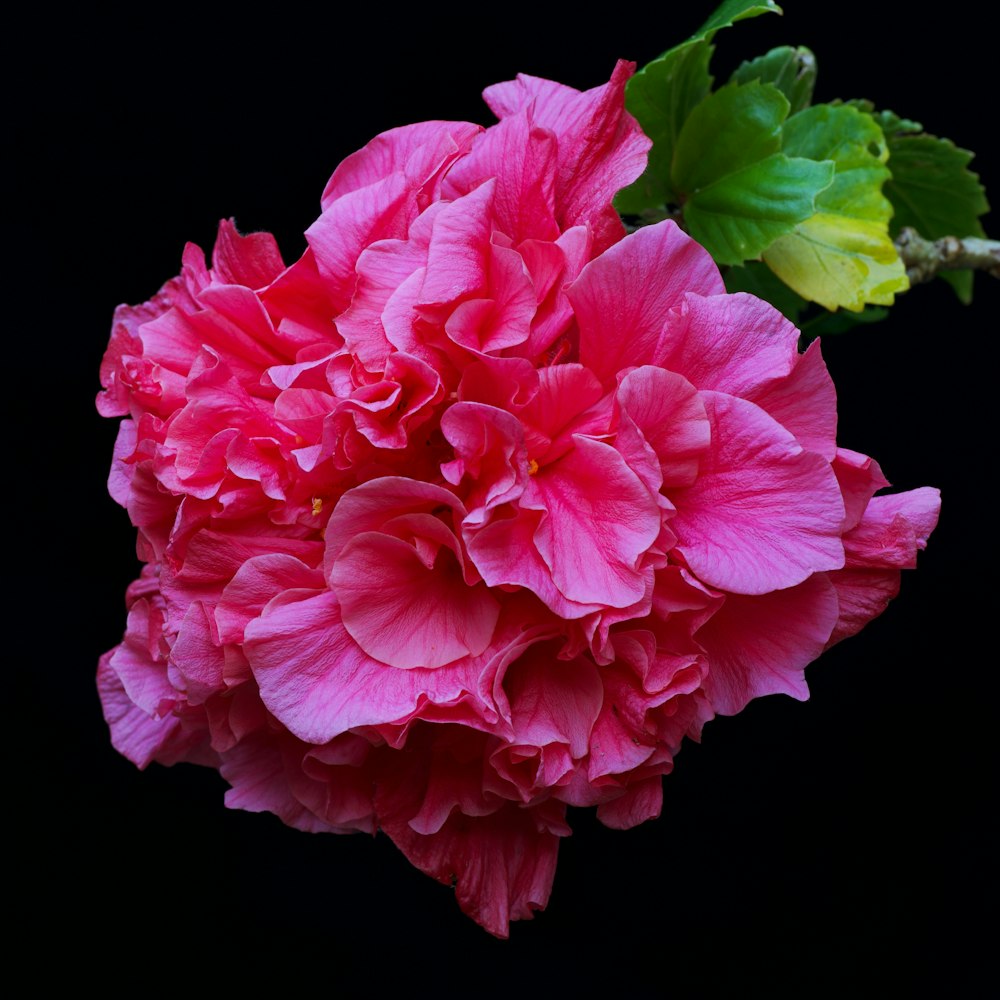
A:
{"points": [[481, 506]]}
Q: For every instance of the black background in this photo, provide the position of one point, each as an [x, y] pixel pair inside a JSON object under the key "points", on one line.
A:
{"points": [[837, 843]]}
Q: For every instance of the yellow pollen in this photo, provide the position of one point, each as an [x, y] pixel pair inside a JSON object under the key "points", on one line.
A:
{"points": [[532, 466], [317, 503]]}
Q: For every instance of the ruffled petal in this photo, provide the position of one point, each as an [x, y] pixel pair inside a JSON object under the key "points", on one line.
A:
{"points": [[761, 645], [763, 514], [623, 298]]}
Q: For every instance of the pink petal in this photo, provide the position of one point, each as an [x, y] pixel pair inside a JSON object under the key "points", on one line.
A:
{"points": [[637, 683], [140, 660], [641, 801], [598, 520], [368, 506], [763, 514], [863, 594], [304, 411], [120, 476], [762, 645], [804, 402], [506, 383], [545, 99], [256, 582], [301, 306], [197, 656], [335, 783], [553, 700], [384, 411], [893, 529], [171, 341], [311, 673], [136, 734], [565, 404], [351, 223], [382, 269], [215, 556], [113, 400], [412, 608], [242, 309], [235, 715], [489, 450], [601, 148], [501, 866], [459, 248], [860, 478], [505, 554], [552, 267], [623, 298], [522, 158], [621, 740], [504, 319], [256, 770], [454, 778], [252, 260], [665, 411], [422, 151], [319, 683], [728, 343]]}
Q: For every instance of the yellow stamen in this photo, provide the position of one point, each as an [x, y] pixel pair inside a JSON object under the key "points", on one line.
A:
{"points": [[317, 503], [532, 466]]}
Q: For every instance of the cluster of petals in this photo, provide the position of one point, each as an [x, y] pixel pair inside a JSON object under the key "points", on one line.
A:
{"points": [[480, 507]]}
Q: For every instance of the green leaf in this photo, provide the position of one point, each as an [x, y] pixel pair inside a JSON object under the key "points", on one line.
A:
{"points": [[891, 124], [792, 71], [759, 280], [933, 190], [858, 149], [740, 193], [663, 93], [661, 97], [842, 256], [731, 11]]}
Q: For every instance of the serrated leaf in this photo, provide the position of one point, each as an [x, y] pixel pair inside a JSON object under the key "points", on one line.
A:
{"points": [[740, 192], [731, 11], [891, 124], [759, 280], [933, 190], [791, 70], [663, 93], [858, 149], [661, 97], [888, 121], [839, 262], [743, 213], [842, 257]]}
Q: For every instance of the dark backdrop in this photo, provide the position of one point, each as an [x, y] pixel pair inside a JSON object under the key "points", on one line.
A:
{"points": [[838, 841]]}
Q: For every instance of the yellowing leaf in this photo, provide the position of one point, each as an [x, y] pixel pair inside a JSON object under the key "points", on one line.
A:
{"points": [[841, 257], [839, 262]]}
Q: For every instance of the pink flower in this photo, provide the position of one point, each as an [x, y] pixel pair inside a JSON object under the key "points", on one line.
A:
{"points": [[481, 506]]}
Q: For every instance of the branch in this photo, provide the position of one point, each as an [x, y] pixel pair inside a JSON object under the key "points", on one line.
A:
{"points": [[924, 259]]}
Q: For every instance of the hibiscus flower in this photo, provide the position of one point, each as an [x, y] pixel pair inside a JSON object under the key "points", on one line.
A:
{"points": [[480, 507]]}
